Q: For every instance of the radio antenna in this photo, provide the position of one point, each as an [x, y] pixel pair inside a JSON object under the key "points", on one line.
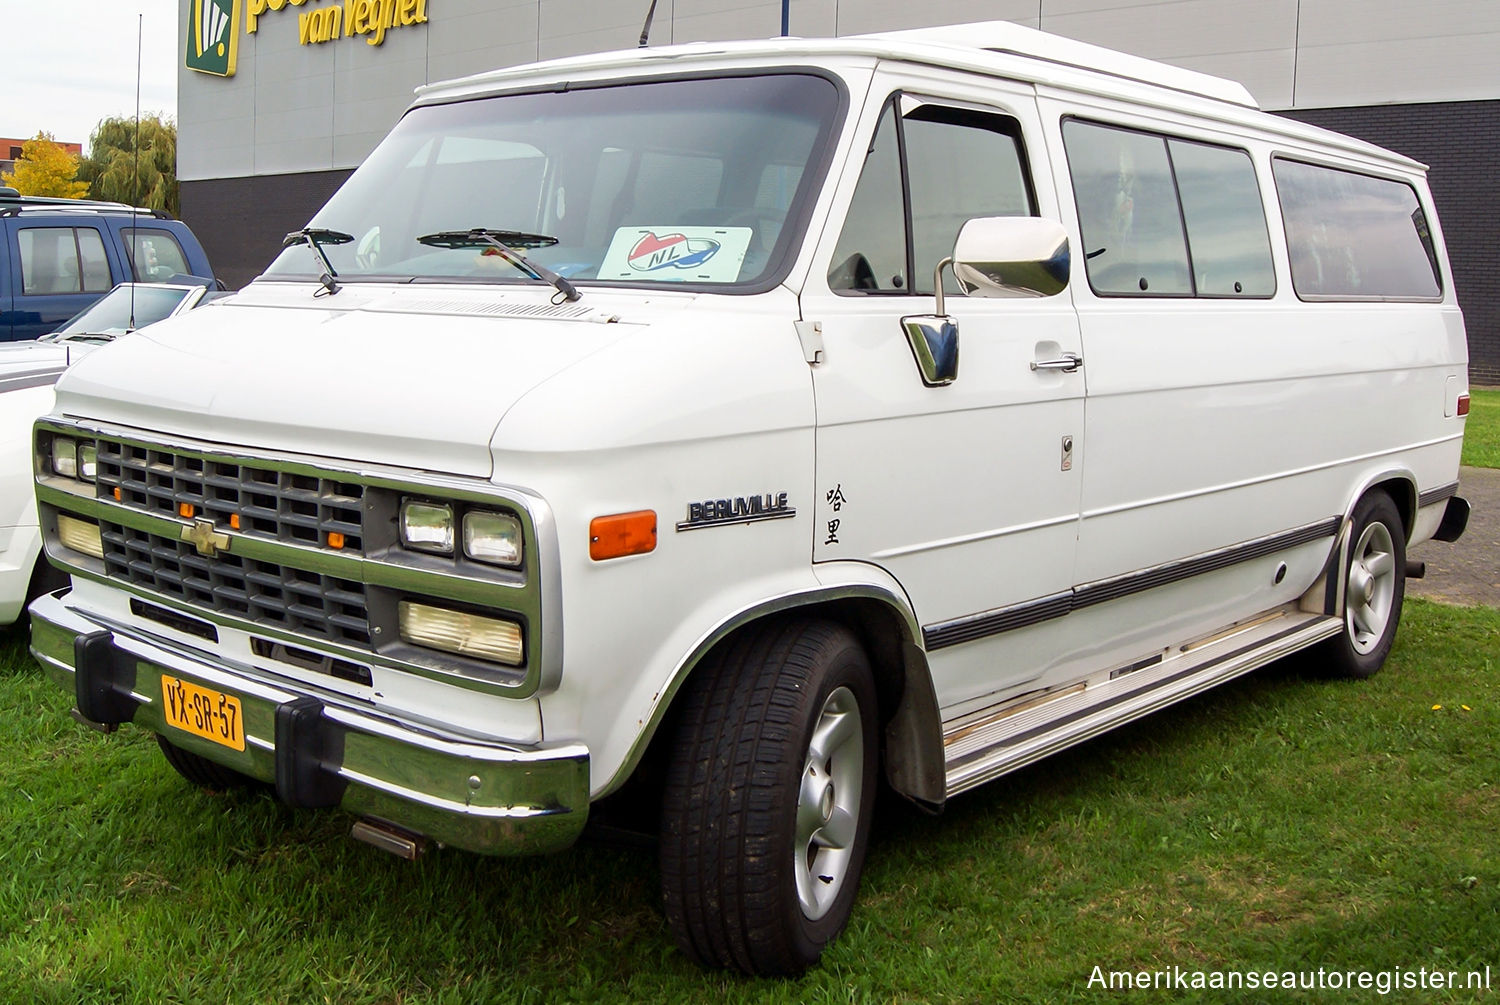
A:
{"points": [[135, 269], [646, 28]]}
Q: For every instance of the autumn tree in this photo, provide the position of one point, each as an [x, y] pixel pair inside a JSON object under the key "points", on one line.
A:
{"points": [[116, 171], [46, 168]]}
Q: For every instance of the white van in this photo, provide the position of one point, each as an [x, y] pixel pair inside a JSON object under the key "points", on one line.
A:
{"points": [[719, 431]]}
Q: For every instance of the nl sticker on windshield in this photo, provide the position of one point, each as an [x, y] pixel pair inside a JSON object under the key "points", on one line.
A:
{"points": [[677, 254]]}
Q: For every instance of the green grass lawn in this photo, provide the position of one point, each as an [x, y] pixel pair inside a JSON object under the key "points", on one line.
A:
{"points": [[1482, 432], [1275, 823]]}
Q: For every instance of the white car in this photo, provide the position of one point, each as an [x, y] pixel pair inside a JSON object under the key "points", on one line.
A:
{"points": [[721, 432], [28, 370]]}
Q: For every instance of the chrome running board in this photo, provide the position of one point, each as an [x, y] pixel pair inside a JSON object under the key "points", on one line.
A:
{"points": [[994, 741]]}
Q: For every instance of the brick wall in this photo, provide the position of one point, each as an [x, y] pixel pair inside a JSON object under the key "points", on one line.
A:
{"points": [[1460, 140]]}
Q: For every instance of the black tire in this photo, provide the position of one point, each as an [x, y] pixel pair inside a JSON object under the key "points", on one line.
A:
{"points": [[760, 853], [201, 771], [1375, 586]]}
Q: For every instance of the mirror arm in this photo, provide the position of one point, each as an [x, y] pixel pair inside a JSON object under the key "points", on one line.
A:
{"points": [[937, 284]]}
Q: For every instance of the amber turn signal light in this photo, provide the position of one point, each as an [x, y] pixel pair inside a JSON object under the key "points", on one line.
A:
{"points": [[622, 534]]}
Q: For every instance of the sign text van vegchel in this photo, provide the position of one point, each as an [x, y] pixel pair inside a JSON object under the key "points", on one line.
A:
{"points": [[355, 17]]}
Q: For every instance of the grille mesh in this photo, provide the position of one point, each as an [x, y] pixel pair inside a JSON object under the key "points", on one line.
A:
{"points": [[271, 504], [263, 592]]}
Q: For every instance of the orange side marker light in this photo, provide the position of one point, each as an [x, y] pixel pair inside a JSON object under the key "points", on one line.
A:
{"points": [[186, 510], [622, 534], [335, 539], [234, 521]]}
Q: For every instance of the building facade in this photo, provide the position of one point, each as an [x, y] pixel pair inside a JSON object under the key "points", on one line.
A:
{"points": [[279, 100]]}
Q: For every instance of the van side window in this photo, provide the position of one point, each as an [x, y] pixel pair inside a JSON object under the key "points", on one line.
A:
{"points": [[62, 260], [960, 165], [154, 254], [1229, 245], [871, 253], [1355, 237], [1133, 241]]}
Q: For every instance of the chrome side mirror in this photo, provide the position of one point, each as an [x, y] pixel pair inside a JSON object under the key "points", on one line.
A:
{"points": [[1011, 256]]}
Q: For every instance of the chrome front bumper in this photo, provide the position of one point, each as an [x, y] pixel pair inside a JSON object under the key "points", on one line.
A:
{"points": [[484, 796]]}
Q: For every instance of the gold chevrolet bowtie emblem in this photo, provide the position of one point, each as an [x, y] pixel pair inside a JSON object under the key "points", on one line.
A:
{"points": [[201, 535]]}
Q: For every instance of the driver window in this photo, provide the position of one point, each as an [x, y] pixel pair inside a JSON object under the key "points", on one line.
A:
{"points": [[871, 253], [960, 164]]}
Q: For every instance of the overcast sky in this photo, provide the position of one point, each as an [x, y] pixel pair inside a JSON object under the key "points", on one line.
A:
{"points": [[70, 63]]}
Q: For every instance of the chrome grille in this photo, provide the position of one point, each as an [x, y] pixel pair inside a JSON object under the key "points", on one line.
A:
{"points": [[263, 592], [256, 501]]}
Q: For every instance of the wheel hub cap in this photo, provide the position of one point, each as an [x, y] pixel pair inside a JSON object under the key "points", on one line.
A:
{"points": [[828, 804]]}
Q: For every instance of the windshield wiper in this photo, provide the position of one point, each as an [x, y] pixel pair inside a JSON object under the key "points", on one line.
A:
{"points": [[315, 238], [502, 241]]}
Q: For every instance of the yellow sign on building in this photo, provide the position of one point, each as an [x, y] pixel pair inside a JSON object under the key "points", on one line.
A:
{"points": [[369, 19]]}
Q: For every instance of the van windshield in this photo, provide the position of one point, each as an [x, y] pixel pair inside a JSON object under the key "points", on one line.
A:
{"points": [[698, 182]]}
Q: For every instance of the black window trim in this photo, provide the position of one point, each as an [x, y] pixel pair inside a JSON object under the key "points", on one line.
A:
{"points": [[1312, 160], [1187, 238]]}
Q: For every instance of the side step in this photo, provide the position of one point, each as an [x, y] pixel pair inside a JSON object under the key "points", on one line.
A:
{"points": [[991, 742]]}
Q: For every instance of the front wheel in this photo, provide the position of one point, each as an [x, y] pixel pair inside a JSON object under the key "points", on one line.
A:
{"points": [[1374, 588], [768, 798]]}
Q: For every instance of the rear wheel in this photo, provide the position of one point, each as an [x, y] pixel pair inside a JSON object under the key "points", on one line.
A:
{"points": [[201, 771], [1375, 586], [768, 799]]}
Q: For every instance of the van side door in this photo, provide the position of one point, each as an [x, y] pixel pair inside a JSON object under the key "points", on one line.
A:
{"points": [[967, 493], [1213, 425]]}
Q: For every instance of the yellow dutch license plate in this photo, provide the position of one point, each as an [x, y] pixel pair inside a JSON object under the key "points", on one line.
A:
{"points": [[203, 712]]}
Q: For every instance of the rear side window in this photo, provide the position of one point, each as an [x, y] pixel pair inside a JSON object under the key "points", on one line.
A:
{"points": [[1354, 237], [1163, 216], [1133, 241], [154, 254], [1226, 222], [62, 260]]}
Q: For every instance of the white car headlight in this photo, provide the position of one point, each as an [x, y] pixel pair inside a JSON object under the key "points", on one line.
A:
{"points": [[64, 457], [494, 538], [88, 461], [427, 526]]}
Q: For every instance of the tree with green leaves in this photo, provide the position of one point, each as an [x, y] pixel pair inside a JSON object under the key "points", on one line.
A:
{"points": [[46, 168], [116, 171]]}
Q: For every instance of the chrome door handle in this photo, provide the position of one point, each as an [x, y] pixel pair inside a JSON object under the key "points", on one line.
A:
{"points": [[1067, 364]]}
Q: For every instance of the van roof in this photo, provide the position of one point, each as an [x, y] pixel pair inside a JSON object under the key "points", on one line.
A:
{"points": [[997, 48], [945, 45]]}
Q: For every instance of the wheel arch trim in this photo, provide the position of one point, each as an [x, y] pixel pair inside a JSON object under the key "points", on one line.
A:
{"points": [[914, 725]]}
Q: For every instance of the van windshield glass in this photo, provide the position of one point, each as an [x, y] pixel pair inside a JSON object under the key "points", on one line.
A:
{"points": [[694, 182]]}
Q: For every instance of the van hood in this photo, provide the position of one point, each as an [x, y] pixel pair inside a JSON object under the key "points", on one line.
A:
{"points": [[411, 378]]}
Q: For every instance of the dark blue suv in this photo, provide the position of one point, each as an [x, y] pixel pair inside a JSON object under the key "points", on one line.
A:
{"points": [[57, 256]]}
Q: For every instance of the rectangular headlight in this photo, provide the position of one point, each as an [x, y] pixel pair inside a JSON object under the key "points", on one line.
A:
{"points": [[80, 535], [64, 457], [493, 639], [492, 537], [88, 461], [427, 526]]}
